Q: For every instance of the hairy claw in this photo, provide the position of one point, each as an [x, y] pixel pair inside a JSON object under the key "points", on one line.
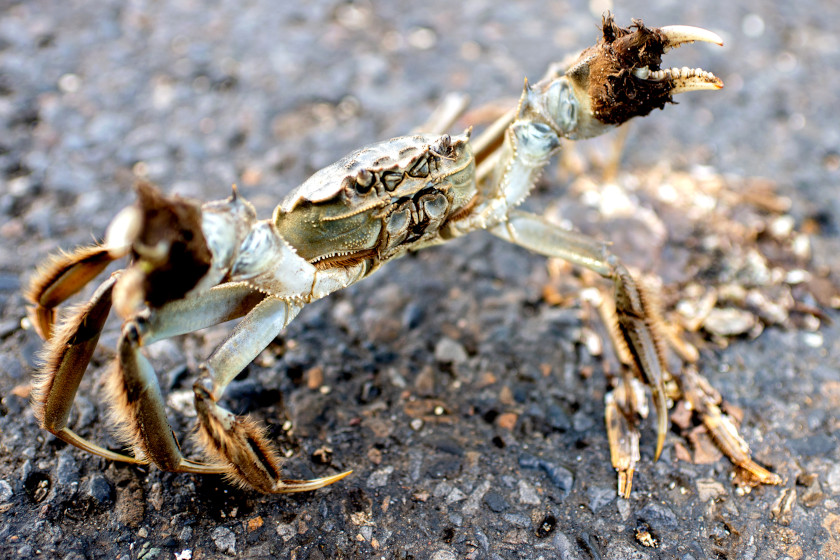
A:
{"points": [[241, 445], [622, 74]]}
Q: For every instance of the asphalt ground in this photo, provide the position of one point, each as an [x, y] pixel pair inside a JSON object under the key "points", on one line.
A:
{"points": [[457, 384]]}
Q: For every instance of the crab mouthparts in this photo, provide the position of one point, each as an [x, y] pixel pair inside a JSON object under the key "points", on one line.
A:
{"points": [[683, 79]]}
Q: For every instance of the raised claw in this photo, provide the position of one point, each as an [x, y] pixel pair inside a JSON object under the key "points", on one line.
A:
{"points": [[621, 75], [608, 84], [683, 79]]}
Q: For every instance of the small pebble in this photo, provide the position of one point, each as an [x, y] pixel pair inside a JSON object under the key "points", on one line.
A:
{"points": [[455, 496], [474, 499], [729, 321], [582, 421], [380, 477], [527, 494], [450, 351], [833, 479], [225, 540], [67, 471], [624, 509], [185, 535], [6, 491], [559, 475], [517, 520], [99, 489], [286, 531], [495, 502], [599, 496], [564, 546], [412, 316], [709, 489], [366, 532], [659, 517], [557, 418], [444, 468]]}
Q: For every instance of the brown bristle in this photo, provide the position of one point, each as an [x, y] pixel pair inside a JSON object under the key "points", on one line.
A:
{"points": [[43, 287], [52, 355], [123, 412], [245, 439], [616, 94], [653, 313], [66, 355]]}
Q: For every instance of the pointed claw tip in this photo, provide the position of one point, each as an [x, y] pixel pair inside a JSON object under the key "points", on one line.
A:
{"points": [[680, 34], [661, 419], [660, 443], [339, 476]]}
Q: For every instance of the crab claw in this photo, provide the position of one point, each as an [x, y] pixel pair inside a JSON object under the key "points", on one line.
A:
{"points": [[617, 79], [683, 79], [623, 71]]}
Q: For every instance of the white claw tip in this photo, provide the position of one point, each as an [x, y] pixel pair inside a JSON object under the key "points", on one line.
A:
{"points": [[680, 34]]}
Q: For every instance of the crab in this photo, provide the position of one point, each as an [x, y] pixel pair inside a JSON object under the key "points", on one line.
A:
{"points": [[192, 266]]}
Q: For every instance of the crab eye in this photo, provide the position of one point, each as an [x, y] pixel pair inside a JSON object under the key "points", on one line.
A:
{"points": [[563, 106], [443, 146], [420, 168], [391, 179], [364, 181]]}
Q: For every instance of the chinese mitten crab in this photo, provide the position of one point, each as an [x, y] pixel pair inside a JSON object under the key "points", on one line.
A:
{"points": [[194, 266]]}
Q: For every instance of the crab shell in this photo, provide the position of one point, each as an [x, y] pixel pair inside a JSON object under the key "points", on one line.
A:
{"points": [[382, 199]]}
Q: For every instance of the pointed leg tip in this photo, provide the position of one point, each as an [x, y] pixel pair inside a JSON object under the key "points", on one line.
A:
{"points": [[291, 486], [660, 438], [625, 483], [763, 475]]}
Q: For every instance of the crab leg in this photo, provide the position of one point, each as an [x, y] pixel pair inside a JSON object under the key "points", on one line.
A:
{"points": [[237, 445], [68, 353], [633, 315], [705, 401], [63, 276], [138, 404], [66, 357], [238, 442]]}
